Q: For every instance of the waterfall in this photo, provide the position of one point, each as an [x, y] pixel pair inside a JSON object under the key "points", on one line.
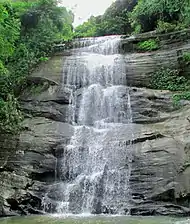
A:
{"points": [[96, 165]]}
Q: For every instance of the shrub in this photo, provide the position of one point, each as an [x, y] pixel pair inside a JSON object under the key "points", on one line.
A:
{"points": [[181, 96], [43, 59], [186, 58], [169, 79], [10, 115], [165, 27], [148, 13], [148, 45], [137, 29]]}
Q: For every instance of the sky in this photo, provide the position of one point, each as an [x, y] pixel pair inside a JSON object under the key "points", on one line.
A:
{"points": [[83, 9]]}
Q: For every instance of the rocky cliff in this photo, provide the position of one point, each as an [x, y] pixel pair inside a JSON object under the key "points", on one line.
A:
{"points": [[160, 177]]}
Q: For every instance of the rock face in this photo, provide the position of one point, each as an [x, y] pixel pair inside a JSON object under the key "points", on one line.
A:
{"points": [[29, 164], [160, 179], [160, 175], [28, 161]]}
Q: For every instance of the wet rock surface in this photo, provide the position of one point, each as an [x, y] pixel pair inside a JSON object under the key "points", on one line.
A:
{"points": [[29, 165], [160, 175]]}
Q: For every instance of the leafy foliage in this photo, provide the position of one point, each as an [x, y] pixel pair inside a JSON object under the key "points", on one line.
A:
{"points": [[181, 96], [114, 21], [10, 115], [148, 45], [148, 14], [169, 79], [87, 29], [28, 30], [165, 27], [186, 58], [43, 59], [132, 16]]}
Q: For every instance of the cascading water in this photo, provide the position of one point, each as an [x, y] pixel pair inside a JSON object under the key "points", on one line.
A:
{"points": [[95, 167]]}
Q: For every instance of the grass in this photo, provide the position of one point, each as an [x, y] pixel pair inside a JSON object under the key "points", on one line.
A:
{"points": [[148, 45]]}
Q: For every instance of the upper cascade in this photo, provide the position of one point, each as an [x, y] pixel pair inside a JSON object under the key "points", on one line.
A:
{"points": [[100, 45], [98, 61]]}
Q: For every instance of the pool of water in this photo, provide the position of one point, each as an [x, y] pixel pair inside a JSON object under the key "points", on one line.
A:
{"points": [[93, 220]]}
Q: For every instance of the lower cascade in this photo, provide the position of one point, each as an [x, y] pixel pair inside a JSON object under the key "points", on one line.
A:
{"points": [[95, 166]]}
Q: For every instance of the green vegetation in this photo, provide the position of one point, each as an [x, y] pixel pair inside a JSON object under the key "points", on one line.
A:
{"points": [[164, 15], [132, 16], [43, 58], [148, 45], [114, 21], [165, 27], [170, 79], [186, 58], [10, 115], [28, 30], [36, 89], [181, 96], [87, 29]]}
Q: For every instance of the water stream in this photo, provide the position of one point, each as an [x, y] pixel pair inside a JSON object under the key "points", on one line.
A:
{"points": [[93, 220], [96, 164]]}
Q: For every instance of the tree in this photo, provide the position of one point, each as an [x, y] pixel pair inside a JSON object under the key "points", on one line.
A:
{"points": [[114, 21], [147, 13], [28, 30]]}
